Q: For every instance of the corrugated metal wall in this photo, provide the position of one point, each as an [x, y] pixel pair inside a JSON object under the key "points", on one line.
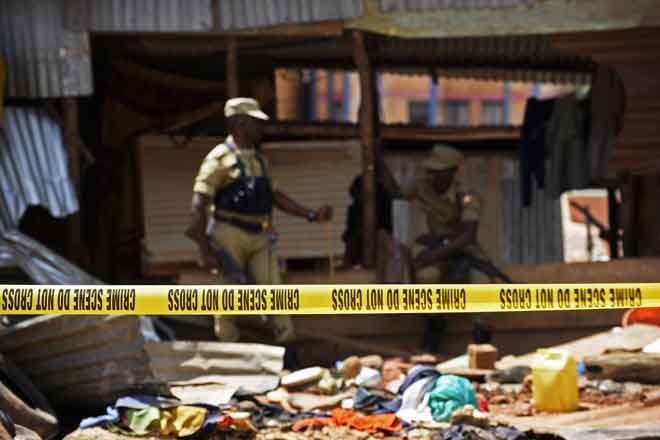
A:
{"points": [[33, 166], [43, 59], [428, 5], [311, 175], [243, 14], [138, 16], [315, 175], [508, 58], [531, 234], [508, 233]]}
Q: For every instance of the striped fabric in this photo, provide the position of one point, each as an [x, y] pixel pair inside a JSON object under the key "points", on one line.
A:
{"points": [[33, 166]]}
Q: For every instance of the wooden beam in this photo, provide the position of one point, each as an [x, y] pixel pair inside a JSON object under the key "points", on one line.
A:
{"points": [[613, 214], [71, 135], [370, 139], [339, 130], [232, 69], [628, 209]]}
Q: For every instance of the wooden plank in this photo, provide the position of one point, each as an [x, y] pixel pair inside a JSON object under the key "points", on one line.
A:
{"points": [[516, 213], [628, 207], [614, 223], [370, 139], [624, 270], [76, 249], [337, 130], [507, 211], [538, 225], [624, 367]]}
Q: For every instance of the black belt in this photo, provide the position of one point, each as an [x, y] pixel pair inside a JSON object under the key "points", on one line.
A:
{"points": [[253, 228]]}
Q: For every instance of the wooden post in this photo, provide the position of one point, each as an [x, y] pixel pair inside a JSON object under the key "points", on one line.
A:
{"points": [[628, 209], [370, 140], [613, 214], [71, 137], [232, 69]]}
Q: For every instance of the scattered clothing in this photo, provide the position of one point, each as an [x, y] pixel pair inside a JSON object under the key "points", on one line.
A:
{"points": [[566, 146], [262, 412], [450, 393], [142, 415], [363, 400], [371, 424], [348, 417], [606, 110], [533, 145], [111, 416], [415, 402], [182, 421], [141, 421], [416, 373], [468, 432], [142, 401]]}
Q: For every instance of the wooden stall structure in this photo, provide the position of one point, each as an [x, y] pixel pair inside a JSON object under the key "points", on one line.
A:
{"points": [[167, 73]]}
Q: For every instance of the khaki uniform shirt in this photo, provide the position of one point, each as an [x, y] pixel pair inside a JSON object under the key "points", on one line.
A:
{"points": [[219, 170], [444, 213]]}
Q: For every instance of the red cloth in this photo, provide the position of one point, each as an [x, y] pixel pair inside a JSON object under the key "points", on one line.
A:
{"points": [[483, 404], [386, 422], [348, 417], [225, 422]]}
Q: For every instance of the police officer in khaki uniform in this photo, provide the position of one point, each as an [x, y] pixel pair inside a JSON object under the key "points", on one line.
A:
{"points": [[234, 186], [451, 252], [452, 217]]}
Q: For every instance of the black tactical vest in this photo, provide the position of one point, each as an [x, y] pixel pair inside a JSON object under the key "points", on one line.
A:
{"points": [[247, 194]]}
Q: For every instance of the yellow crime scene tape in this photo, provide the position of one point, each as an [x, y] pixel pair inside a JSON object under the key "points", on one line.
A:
{"points": [[322, 299]]}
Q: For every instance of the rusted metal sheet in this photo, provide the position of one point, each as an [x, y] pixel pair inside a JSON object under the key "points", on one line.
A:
{"points": [[462, 18], [533, 233], [90, 361], [245, 14], [43, 59], [528, 58], [430, 5], [138, 16], [42, 265], [518, 58]]}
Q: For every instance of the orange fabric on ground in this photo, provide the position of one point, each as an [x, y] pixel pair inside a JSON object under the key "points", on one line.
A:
{"points": [[371, 424], [304, 423], [348, 417]]}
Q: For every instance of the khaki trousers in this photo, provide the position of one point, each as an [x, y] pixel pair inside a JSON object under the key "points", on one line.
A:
{"points": [[254, 254]]}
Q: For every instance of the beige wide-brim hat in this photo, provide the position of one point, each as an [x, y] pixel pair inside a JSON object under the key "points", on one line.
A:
{"points": [[443, 157], [244, 106]]}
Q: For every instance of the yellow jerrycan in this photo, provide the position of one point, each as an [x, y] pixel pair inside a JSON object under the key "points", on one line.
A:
{"points": [[555, 381]]}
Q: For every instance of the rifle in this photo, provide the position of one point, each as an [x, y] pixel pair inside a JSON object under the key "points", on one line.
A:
{"points": [[233, 274], [231, 271], [463, 260], [603, 231]]}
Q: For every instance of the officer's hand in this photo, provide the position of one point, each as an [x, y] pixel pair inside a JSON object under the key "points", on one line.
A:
{"points": [[324, 214]]}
